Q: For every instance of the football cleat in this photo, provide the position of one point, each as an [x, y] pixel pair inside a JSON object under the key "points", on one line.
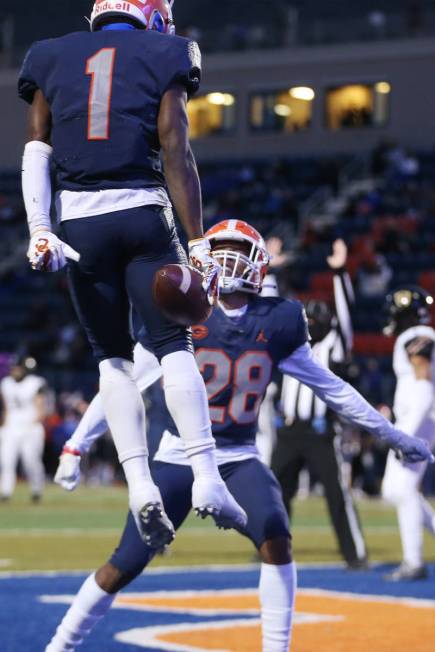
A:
{"points": [[358, 564], [242, 254], [407, 573], [154, 15], [155, 528], [212, 498]]}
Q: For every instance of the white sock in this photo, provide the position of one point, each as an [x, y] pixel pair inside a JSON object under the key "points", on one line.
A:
{"points": [[277, 595], [410, 516], [186, 399], [125, 414], [90, 605]]}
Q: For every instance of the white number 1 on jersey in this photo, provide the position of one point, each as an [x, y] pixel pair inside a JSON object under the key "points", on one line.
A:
{"points": [[100, 67]]}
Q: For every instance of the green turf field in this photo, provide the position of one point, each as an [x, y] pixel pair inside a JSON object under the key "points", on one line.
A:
{"points": [[79, 530]]}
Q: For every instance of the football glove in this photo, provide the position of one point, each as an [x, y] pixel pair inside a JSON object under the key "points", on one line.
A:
{"points": [[47, 253], [200, 256], [410, 449], [68, 471]]}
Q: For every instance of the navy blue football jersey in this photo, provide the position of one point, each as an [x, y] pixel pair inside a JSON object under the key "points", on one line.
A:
{"points": [[236, 358], [104, 89]]}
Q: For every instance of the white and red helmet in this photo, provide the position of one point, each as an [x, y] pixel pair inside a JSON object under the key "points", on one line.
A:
{"points": [[242, 271], [150, 14]]}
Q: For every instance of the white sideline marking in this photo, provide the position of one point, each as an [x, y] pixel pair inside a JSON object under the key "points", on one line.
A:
{"points": [[198, 611], [362, 597], [167, 570], [204, 531], [66, 532], [149, 636]]}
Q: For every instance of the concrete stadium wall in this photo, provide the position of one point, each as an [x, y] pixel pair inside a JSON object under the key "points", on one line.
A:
{"points": [[407, 65]]}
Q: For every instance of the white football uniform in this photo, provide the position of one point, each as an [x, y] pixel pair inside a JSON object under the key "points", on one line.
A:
{"points": [[414, 409], [22, 435]]}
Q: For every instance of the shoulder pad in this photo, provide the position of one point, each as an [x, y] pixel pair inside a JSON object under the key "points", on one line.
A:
{"points": [[32, 71], [185, 60]]}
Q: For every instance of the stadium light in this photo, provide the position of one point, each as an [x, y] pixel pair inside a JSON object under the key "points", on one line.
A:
{"points": [[383, 87], [302, 93], [282, 110], [222, 99]]}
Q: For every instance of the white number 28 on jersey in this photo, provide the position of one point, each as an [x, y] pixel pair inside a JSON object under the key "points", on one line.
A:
{"points": [[249, 376]]}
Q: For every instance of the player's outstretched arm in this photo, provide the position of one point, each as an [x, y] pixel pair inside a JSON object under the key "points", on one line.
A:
{"points": [[46, 252], [348, 403], [183, 181]]}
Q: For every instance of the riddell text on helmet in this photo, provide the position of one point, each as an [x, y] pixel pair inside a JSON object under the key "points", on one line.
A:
{"points": [[112, 6]]}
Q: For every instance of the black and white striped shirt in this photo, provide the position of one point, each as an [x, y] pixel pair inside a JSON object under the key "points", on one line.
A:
{"points": [[298, 402]]}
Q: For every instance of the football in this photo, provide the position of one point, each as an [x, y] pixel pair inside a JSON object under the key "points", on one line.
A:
{"points": [[178, 292]]}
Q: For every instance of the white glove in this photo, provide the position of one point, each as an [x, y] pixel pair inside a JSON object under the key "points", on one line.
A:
{"points": [[410, 449], [47, 253], [201, 257], [68, 471]]}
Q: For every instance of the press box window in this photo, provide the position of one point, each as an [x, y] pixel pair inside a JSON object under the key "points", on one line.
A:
{"points": [[286, 111], [358, 105], [212, 114]]}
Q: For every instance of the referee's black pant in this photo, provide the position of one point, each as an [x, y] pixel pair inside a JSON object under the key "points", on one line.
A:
{"points": [[299, 446]]}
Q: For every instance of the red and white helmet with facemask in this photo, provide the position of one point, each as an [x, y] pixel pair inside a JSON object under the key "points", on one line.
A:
{"points": [[242, 253], [150, 14]]}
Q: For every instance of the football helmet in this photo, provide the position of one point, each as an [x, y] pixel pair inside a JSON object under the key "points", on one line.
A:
{"points": [[242, 254], [148, 14], [20, 365], [405, 307]]}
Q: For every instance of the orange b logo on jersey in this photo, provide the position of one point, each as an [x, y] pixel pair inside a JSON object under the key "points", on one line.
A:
{"points": [[199, 332]]}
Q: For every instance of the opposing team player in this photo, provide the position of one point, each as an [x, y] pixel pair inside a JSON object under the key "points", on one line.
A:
{"points": [[23, 395], [104, 104], [236, 350], [414, 409]]}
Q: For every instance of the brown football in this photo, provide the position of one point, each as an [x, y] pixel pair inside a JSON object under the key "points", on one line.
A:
{"points": [[178, 292]]}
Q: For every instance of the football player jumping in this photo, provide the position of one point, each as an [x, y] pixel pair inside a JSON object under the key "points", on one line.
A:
{"points": [[236, 350], [103, 105], [408, 311]]}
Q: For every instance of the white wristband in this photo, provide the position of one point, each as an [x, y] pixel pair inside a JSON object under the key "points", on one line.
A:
{"points": [[36, 185]]}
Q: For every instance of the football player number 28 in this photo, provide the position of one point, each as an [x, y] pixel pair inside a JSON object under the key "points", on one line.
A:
{"points": [[100, 68], [249, 375]]}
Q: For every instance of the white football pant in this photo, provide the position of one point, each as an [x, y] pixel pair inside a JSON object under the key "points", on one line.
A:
{"points": [[25, 444], [400, 487]]}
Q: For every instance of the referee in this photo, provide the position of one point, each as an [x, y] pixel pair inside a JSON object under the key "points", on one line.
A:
{"points": [[308, 438]]}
